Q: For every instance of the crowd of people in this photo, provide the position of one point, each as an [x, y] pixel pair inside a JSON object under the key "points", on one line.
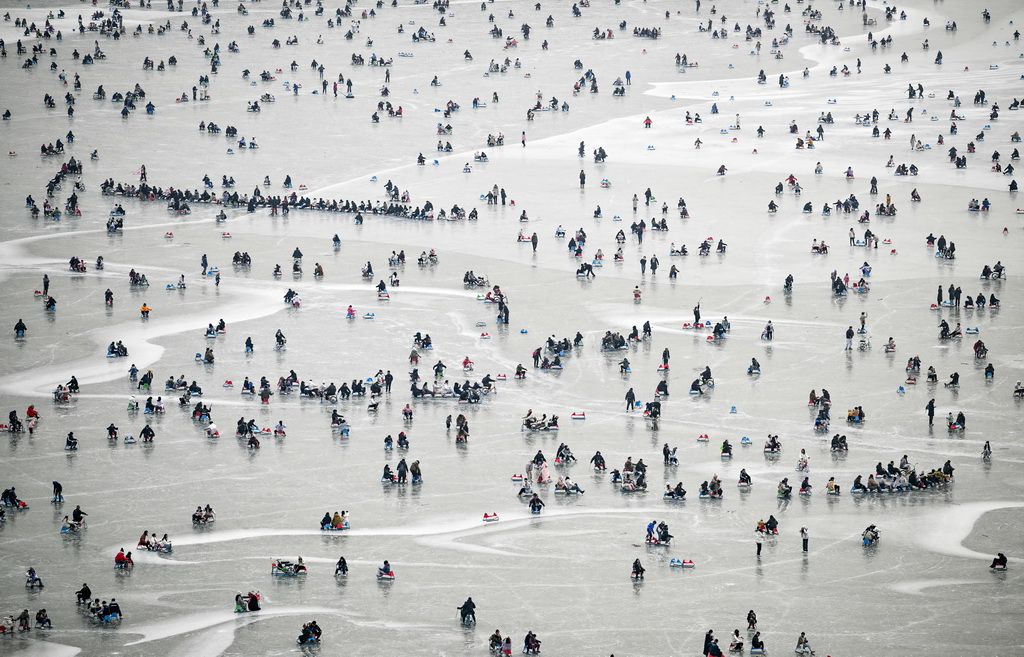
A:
{"points": [[633, 477]]}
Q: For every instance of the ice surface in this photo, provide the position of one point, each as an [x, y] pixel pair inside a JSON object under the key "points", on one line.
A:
{"points": [[563, 574]]}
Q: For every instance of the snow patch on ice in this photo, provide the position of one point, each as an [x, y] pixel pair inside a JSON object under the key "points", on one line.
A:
{"points": [[945, 531]]}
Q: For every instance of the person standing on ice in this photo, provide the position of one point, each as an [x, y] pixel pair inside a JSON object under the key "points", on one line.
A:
{"points": [[583, 179], [630, 399]]}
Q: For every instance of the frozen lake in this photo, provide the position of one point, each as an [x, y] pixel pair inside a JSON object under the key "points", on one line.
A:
{"points": [[564, 574]]}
